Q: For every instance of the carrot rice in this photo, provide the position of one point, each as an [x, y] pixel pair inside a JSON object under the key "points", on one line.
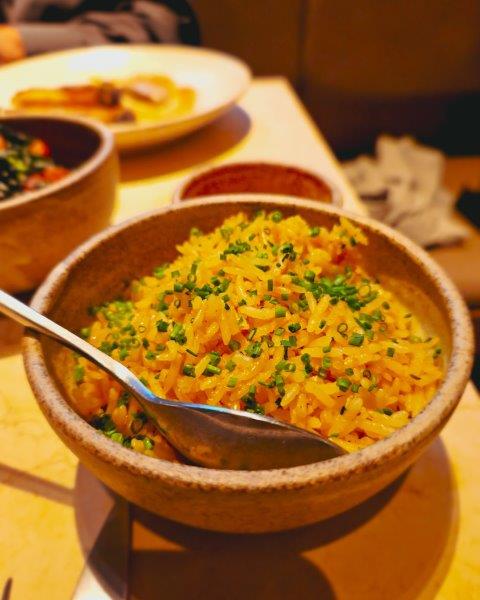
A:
{"points": [[269, 315]]}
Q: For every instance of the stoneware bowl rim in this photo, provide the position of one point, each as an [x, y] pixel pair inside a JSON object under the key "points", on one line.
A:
{"points": [[177, 197], [335, 470], [88, 166]]}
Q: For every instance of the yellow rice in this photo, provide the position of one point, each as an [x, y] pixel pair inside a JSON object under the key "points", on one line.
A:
{"points": [[270, 315]]}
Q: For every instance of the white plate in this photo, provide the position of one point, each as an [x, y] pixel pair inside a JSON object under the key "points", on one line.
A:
{"points": [[218, 79]]}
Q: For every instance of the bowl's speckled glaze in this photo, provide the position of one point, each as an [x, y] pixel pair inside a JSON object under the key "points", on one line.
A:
{"points": [[39, 228], [241, 501]]}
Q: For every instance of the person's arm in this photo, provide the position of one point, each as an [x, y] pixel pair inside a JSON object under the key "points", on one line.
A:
{"points": [[143, 22]]}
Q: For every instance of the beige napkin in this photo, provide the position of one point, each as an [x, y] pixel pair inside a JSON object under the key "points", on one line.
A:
{"points": [[402, 187]]}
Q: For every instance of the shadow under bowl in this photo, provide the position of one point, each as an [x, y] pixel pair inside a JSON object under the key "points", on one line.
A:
{"points": [[39, 228], [242, 501]]}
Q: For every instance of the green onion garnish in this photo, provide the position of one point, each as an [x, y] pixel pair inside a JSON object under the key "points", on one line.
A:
{"points": [[343, 383], [232, 382], [356, 339], [189, 370], [212, 370]]}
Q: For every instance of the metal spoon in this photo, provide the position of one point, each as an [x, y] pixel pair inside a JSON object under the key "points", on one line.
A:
{"points": [[210, 436]]}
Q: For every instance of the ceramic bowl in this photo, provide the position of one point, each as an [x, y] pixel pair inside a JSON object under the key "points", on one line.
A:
{"points": [[261, 178], [241, 501], [39, 228]]}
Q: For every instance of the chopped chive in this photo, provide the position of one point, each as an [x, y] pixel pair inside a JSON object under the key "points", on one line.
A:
{"points": [[326, 362], [356, 339], [327, 349], [230, 365], [192, 352], [309, 275], [232, 382], [293, 327], [123, 353], [178, 287], [117, 437], [189, 370], [178, 334], [78, 373], [234, 345], [385, 305], [314, 231], [355, 387], [148, 443], [123, 400], [386, 411], [279, 331], [212, 370], [276, 216], [322, 324], [349, 371], [214, 358], [342, 328], [280, 311], [251, 334], [162, 325], [270, 285], [437, 352], [290, 343], [254, 350], [284, 296], [263, 268], [85, 332], [150, 355], [390, 351], [343, 383]]}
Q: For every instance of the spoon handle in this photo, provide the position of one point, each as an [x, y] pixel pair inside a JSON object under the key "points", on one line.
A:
{"points": [[20, 312]]}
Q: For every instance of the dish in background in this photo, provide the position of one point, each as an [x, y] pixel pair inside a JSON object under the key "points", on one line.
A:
{"points": [[217, 78], [258, 178], [26, 164], [38, 228], [242, 501], [141, 98]]}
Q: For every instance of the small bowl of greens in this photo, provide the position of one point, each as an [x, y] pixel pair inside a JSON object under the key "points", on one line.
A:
{"points": [[58, 178]]}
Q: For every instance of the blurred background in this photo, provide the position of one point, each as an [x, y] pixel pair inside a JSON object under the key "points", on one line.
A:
{"points": [[364, 68]]}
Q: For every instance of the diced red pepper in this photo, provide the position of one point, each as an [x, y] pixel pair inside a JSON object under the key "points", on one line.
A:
{"points": [[54, 173], [39, 148]]}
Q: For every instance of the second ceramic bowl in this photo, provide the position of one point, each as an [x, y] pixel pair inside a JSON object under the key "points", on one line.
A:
{"points": [[39, 228]]}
